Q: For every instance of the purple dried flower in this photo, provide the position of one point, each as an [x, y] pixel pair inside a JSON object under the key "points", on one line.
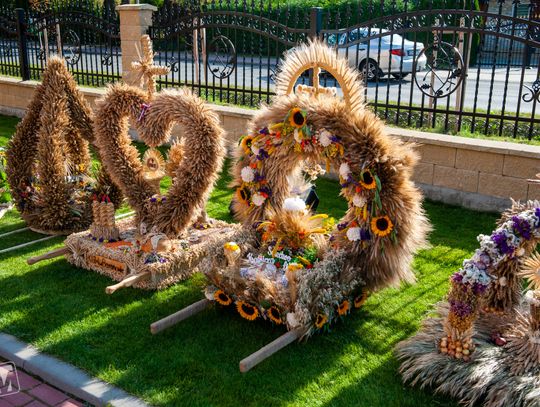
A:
{"points": [[460, 308], [522, 227], [258, 177], [457, 278], [537, 214], [364, 234], [342, 226], [479, 289], [264, 130], [262, 154], [335, 139], [500, 240]]}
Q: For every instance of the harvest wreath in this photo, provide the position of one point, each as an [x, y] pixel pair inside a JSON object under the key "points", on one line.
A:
{"points": [[484, 344], [170, 233], [287, 265], [48, 159]]}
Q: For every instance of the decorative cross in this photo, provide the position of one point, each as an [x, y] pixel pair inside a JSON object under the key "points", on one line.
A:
{"points": [[143, 71]]}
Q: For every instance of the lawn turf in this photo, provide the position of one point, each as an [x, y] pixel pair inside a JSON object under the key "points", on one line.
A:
{"points": [[64, 311]]}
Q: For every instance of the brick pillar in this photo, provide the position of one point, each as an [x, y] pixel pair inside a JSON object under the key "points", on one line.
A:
{"points": [[134, 22]]}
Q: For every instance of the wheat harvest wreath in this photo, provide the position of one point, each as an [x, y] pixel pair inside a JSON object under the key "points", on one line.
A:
{"points": [[287, 265]]}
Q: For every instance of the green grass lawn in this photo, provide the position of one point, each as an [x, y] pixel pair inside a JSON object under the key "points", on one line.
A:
{"points": [[64, 311]]}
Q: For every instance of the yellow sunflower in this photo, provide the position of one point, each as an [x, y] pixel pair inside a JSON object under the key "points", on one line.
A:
{"points": [[245, 142], [274, 315], [367, 180], [297, 118], [243, 194], [381, 225], [247, 311], [343, 307], [360, 300], [222, 298], [321, 320]]}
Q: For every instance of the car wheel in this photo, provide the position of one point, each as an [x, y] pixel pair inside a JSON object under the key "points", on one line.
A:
{"points": [[400, 75], [370, 69]]}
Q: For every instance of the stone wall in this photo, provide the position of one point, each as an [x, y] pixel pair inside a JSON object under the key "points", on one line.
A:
{"points": [[474, 173]]}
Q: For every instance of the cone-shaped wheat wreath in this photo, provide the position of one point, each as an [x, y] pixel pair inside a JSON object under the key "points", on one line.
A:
{"points": [[49, 156], [201, 161]]}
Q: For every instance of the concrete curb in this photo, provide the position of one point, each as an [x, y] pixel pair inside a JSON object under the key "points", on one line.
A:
{"points": [[64, 376]]}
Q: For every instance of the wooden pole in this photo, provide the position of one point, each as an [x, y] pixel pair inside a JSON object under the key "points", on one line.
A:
{"points": [[14, 231], [49, 255], [128, 281], [20, 246], [265, 352], [179, 316]]}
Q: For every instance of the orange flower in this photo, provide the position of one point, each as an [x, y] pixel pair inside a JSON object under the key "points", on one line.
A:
{"points": [[381, 225], [247, 311], [321, 320], [222, 298], [343, 307], [367, 180]]}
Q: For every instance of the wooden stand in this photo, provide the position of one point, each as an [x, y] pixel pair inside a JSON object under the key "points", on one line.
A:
{"points": [[127, 282], [49, 255], [179, 316], [265, 352]]}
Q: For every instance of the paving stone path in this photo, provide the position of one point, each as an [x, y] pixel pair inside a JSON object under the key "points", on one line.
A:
{"points": [[33, 392]]}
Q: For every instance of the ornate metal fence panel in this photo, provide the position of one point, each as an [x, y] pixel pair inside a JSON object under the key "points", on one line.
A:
{"points": [[84, 32], [228, 51], [429, 68], [9, 52]]}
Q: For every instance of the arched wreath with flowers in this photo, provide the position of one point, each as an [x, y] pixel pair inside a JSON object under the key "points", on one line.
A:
{"points": [[288, 265]]}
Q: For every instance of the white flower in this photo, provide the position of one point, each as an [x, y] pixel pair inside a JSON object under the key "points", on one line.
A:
{"points": [[325, 138], [255, 149], [344, 170], [258, 199], [209, 292], [359, 201], [247, 173], [297, 137], [294, 205], [502, 281], [353, 234], [292, 321]]}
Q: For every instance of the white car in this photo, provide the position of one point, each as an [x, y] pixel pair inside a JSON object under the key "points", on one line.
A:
{"points": [[388, 53]]}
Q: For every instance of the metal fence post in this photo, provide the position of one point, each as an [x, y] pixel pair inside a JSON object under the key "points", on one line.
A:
{"points": [[23, 46], [315, 27], [315, 22]]}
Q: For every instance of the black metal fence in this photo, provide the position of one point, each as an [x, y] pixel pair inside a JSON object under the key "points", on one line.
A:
{"points": [[84, 32], [431, 64], [441, 64]]}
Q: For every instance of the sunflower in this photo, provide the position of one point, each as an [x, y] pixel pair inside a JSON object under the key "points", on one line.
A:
{"points": [[343, 308], [381, 225], [222, 298], [297, 118], [247, 311], [274, 315], [531, 271], [243, 194], [321, 320], [367, 180], [245, 142], [360, 300]]}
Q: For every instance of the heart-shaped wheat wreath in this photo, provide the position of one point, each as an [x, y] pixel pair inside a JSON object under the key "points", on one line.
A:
{"points": [[154, 119]]}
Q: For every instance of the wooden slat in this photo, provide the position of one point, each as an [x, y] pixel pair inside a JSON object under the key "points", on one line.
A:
{"points": [[49, 255], [179, 316], [127, 282], [265, 352]]}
